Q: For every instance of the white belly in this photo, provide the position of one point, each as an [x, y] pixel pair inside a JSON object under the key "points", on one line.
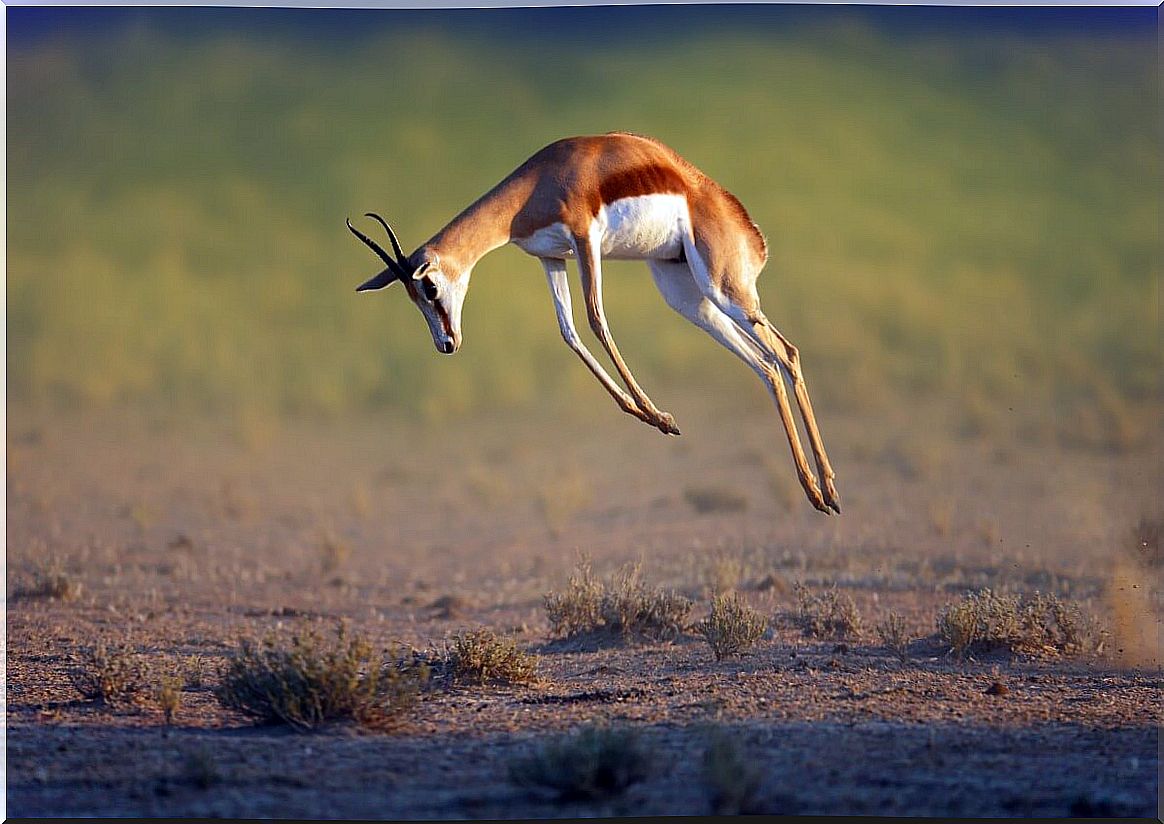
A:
{"points": [[633, 228], [648, 226]]}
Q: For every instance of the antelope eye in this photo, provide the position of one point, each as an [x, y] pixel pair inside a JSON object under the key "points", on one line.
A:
{"points": [[429, 288]]}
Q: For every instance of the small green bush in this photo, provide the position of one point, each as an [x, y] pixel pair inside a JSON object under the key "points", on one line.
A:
{"points": [[731, 627], [731, 776], [310, 680], [592, 764]]}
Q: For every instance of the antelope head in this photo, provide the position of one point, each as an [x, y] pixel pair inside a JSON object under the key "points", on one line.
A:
{"points": [[438, 294]]}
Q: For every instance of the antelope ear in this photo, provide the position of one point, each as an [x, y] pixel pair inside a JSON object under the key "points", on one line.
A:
{"points": [[379, 282], [421, 269]]}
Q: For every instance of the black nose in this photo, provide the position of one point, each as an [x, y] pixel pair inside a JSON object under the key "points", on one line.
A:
{"points": [[447, 347]]}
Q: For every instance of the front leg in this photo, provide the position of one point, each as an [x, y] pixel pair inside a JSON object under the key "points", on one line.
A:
{"points": [[590, 267], [560, 290]]}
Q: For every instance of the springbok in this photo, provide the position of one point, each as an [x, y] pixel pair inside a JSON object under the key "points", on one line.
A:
{"points": [[619, 196]]}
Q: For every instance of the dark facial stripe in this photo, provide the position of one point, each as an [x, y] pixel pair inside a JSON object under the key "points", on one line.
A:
{"points": [[446, 324]]}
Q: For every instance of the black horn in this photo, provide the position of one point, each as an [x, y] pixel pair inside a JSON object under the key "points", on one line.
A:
{"points": [[375, 247], [401, 258], [395, 270]]}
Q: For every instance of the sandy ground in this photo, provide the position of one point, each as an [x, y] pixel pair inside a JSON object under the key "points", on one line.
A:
{"points": [[185, 536]]}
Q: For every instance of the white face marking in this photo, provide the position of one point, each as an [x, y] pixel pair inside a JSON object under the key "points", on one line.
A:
{"points": [[451, 299]]}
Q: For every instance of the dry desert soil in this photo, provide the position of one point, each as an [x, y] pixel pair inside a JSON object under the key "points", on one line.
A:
{"points": [[178, 538]]}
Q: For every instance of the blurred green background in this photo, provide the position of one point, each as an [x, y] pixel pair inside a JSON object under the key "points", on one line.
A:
{"points": [[960, 203]]}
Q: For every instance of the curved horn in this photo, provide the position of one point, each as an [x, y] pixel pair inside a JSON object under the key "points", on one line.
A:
{"points": [[375, 247], [401, 258]]}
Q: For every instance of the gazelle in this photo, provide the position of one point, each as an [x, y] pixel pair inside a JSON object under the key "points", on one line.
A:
{"points": [[619, 196]]}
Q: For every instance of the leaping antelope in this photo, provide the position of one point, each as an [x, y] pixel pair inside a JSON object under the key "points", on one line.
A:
{"points": [[620, 196]]}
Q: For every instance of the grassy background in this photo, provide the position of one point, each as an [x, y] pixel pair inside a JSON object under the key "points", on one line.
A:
{"points": [[954, 210]]}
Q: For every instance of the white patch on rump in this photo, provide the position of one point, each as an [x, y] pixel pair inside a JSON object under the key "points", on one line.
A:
{"points": [[631, 228]]}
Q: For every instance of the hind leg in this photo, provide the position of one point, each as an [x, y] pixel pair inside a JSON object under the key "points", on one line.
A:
{"points": [[682, 293], [778, 348]]}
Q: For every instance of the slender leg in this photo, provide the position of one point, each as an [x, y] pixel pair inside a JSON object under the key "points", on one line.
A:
{"points": [[778, 347], [590, 265], [560, 290], [682, 294]]}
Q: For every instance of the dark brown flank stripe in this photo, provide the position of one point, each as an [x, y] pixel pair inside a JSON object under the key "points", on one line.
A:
{"points": [[653, 179]]}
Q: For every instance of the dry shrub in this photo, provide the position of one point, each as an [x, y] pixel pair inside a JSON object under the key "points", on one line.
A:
{"points": [[979, 620], [168, 694], [829, 614], [1030, 624], [51, 582], [623, 606], [482, 657], [111, 674], [594, 763], [894, 636], [310, 680], [731, 627], [578, 610], [731, 776]]}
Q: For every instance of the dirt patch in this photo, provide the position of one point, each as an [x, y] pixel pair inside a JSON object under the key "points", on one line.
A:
{"points": [[175, 541]]}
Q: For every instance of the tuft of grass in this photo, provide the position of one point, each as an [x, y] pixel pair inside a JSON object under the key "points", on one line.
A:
{"points": [[894, 636], [1039, 623], [168, 694], [981, 619], [732, 626], [199, 769], [110, 674], [829, 614], [708, 499], [193, 671], [310, 680], [623, 607], [578, 610], [51, 582], [592, 764], [731, 776], [481, 656]]}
